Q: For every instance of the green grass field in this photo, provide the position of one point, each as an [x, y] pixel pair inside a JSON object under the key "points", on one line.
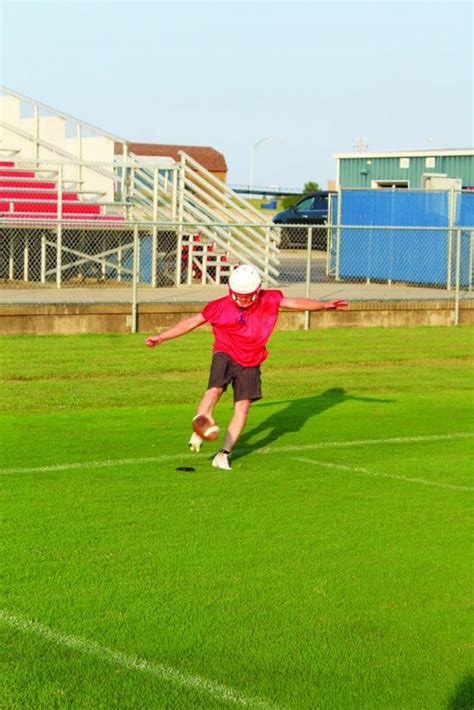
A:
{"points": [[331, 568]]}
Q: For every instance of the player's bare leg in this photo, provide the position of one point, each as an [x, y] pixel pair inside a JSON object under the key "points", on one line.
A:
{"points": [[209, 401], [206, 406], [236, 424]]}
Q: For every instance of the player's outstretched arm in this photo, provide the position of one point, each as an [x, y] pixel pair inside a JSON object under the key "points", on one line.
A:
{"points": [[308, 304], [181, 328]]}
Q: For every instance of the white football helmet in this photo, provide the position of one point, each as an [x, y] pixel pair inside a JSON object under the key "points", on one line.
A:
{"points": [[244, 281]]}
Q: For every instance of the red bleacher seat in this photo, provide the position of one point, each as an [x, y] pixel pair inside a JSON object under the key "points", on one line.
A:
{"points": [[67, 208], [25, 196], [17, 173], [35, 195], [36, 184], [17, 216]]}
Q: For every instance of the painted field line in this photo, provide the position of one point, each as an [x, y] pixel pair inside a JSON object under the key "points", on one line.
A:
{"points": [[108, 463], [366, 442], [366, 472], [162, 672]]}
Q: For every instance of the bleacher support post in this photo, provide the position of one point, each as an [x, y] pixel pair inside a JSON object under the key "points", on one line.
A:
{"points": [[60, 191], [180, 210], [36, 121], [154, 238], [174, 193], [59, 235], [79, 154]]}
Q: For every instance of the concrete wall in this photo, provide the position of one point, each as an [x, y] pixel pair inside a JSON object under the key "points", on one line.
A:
{"points": [[46, 319]]}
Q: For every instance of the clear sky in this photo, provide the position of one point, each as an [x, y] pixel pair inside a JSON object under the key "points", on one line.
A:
{"points": [[312, 77]]}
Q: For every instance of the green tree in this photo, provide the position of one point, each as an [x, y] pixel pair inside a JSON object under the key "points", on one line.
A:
{"points": [[310, 187], [289, 200]]}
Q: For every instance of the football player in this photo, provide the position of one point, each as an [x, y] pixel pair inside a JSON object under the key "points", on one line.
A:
{"points": [[242, 323]]}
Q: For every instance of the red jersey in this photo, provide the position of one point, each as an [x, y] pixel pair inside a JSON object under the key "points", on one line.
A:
{"points": [[243, 333]]}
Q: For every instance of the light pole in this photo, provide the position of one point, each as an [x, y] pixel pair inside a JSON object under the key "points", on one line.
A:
{"points": [[252, 159]]}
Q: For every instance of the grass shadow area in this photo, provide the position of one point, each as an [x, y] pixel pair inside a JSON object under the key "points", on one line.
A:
{"points": [[293, 417], [463, 696]]}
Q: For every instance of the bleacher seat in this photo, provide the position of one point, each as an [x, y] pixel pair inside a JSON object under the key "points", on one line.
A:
{"points": [[24, 195]]}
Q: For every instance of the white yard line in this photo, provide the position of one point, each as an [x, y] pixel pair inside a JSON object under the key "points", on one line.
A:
{"points": [[366, 442], [366, 472], [162, 672], [108, 463]]}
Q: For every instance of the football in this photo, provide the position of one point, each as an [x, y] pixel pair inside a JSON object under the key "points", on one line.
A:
{"points": [[206, 428]]}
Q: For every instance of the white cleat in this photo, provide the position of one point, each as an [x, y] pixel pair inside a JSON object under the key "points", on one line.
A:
{"points": [[195, 443], [221, 460]]}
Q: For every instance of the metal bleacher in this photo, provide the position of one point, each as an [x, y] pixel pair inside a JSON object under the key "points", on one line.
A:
{"points": [[57, 171]]}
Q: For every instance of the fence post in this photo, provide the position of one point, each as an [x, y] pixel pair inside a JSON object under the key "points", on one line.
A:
{"points": [[471, 261], [451, 221], [43, 260], [329, 224], [26, 259], [11, 262], [338, 233], [458, 277], [59, 249], [309, 248], [136, 247]]}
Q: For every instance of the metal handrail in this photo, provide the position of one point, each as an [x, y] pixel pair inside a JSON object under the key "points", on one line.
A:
{"points": [[222, 186], [61, 114], [50, 146]]}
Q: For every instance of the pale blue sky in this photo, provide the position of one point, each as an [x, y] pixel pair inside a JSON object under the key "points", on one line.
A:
{"points": [[311, 76]]}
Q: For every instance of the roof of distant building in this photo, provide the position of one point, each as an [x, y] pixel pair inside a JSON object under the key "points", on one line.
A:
{"points": [[208, 157], [406, 153]]}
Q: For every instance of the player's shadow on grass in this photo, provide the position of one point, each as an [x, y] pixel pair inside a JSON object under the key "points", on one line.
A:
{"points": [[463, 696], [292, 418]]}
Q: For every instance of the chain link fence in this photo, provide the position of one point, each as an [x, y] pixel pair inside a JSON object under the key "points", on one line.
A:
{"points": [[135, 263]]}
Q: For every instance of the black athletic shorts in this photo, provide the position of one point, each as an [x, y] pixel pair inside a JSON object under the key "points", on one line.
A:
{"points": [[245, 380]]}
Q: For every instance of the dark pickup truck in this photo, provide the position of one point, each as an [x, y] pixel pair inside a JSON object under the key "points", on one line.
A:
{"points": [[311, 209]]}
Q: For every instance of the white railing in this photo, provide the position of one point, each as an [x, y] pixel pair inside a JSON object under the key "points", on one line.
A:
{"points": [[187, 192], [45, 132]]}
